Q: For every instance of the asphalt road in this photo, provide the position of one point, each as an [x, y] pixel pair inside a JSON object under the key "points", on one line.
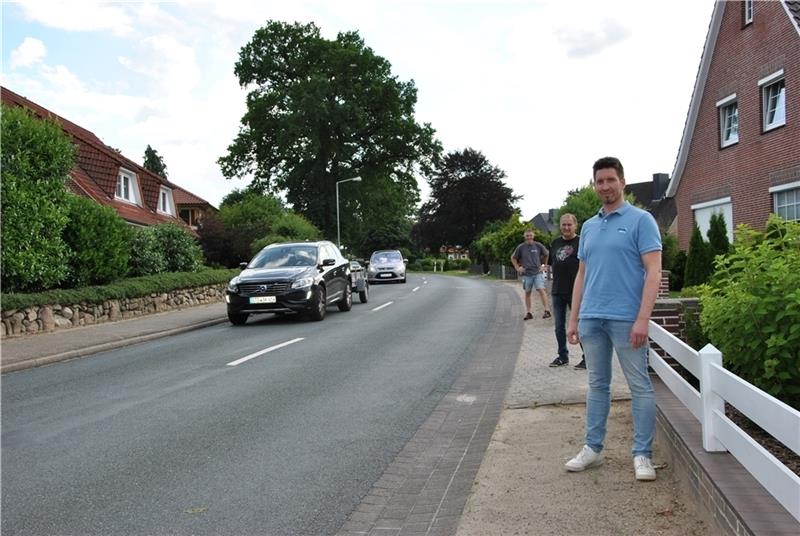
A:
{"points": [[206, 433]]}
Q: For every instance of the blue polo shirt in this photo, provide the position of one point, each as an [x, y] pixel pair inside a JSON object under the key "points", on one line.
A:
{"points": [[611, 248]]}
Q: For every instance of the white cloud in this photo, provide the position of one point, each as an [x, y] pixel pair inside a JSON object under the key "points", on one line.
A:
{"points": [[30, 52], [170, 65], [79, 15]]}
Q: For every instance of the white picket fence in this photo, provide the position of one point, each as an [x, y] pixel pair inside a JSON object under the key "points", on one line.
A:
{"points": [[718, 386]]}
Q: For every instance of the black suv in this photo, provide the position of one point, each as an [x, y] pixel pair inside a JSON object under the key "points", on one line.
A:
{"points": [[298, 277]]}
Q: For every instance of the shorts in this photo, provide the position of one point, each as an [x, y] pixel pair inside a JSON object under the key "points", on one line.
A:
{"points": [[529, 282]]}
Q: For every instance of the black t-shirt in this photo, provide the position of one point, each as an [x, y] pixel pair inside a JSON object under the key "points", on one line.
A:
{"points": [[564, 260]]}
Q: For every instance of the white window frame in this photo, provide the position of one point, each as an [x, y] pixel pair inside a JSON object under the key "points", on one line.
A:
{"points": [[165, 194], [725, 127], [779, 115], [748, 11], [784, 189], [722, 205], [132, 195]]}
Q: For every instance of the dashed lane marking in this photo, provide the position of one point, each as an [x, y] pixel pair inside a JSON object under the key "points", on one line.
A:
{"points": [[387, 304], [262, 352]]}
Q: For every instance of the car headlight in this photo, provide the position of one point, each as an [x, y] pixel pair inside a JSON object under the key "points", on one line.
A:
{"points": [[303, 282], [233, 285], [372, 269]]}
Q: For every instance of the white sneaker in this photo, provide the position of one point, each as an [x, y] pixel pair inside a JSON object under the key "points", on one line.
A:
{"points": [[585, 459], [644, 468]]}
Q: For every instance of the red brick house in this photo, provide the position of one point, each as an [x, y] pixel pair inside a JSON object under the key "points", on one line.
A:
{"points": [[740, 151], [104, 175]]}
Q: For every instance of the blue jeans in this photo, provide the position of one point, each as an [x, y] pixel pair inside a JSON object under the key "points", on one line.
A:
{"points": [[560, 304], [599, 336]]}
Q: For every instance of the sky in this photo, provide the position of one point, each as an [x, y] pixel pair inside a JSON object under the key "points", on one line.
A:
{"points": [[541, 88]]}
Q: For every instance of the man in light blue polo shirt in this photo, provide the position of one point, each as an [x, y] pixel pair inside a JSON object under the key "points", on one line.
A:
{"points": [[615, 289]]}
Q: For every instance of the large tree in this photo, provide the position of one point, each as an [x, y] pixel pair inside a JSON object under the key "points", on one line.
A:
{"points": [[467, 192], [154, 162], [320, 111]]}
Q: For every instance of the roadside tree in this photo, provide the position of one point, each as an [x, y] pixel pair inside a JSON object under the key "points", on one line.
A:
{"points": [[320, 111], [467, 192]]}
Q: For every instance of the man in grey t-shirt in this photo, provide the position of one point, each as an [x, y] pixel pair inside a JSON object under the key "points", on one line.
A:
{"points": [[529, 260]]}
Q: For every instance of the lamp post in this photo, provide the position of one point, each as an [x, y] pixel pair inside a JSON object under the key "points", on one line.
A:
{"points": [[338, 231]]}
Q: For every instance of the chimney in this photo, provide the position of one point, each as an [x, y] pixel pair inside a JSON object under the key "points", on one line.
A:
{"points": [[660, 184], [551, 214]]}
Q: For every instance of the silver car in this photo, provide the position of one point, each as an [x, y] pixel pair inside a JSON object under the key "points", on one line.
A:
{"points": [[387, 265]]}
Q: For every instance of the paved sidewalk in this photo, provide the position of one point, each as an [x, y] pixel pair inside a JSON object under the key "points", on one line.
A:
{"points": [[19, 353]]}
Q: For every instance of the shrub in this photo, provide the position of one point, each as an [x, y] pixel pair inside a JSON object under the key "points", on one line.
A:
{"points": [[133, 287], [751, 308], [288, 227], [148, 257], [718, 236], [676, 279], [216, 240], [100, 242], [36, 158], [699, 260], [181, 250]]}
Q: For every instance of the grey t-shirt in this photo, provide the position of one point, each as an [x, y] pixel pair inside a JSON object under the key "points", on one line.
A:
{"points": [[530, 256]]}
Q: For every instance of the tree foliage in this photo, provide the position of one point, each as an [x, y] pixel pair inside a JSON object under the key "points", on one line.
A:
{"points": [[320, 111], [467, 192], [248, 217], [149, 258], [36, 160], [751, 308], [499, 239], [155, 163]]}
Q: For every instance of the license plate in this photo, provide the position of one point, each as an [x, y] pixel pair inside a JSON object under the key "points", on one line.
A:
{"points": [[263, 299], [385, 275]]}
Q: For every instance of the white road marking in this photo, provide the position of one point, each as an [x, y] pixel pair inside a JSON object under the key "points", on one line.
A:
{"points": [[262, 352], [415, 289], [387, 304]]}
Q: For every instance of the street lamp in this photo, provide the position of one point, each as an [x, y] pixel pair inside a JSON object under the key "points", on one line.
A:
{"points": [[338, 232]]}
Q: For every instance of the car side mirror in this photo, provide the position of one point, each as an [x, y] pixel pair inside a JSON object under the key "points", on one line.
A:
{"points": [[242, 265], [328, 262]]}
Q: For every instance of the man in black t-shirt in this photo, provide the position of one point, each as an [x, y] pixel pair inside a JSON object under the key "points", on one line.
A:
{"points": [[564, 268]]}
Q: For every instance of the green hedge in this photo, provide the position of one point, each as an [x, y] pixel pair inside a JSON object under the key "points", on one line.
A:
{"points": [[134, 287]]}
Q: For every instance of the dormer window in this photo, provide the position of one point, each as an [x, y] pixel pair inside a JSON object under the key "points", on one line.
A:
{"points": [[728, 121], [165, 203], [127, 187]]}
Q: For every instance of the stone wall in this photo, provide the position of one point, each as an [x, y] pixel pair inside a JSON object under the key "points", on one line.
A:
{"points": [[47, 318]]}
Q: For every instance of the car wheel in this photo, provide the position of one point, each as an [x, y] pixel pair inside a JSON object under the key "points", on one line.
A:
{"points": [[403, 281], [363, 295], [346, 303], [238, 319], [318, 306]]}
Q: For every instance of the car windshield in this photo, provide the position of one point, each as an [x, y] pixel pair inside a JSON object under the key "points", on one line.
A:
{"points": [[281, 256], [381, 257]]}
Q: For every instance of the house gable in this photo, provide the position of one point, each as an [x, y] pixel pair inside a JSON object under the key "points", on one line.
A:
{"points": [[736, 57]]}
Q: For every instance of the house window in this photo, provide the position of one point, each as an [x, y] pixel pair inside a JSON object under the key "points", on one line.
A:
{"points": [[773, 100], [787, 200], [728, 121], [748, 12], [165, 201], [704, 211], [127, 188]]}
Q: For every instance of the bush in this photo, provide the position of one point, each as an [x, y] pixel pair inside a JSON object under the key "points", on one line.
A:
{"points": [[181, 250], [36, 158], [676, 273], [133, 287], [100, 242], [718, 236], [148, 257], [751, 308], [288, 227], [699, 260]]}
